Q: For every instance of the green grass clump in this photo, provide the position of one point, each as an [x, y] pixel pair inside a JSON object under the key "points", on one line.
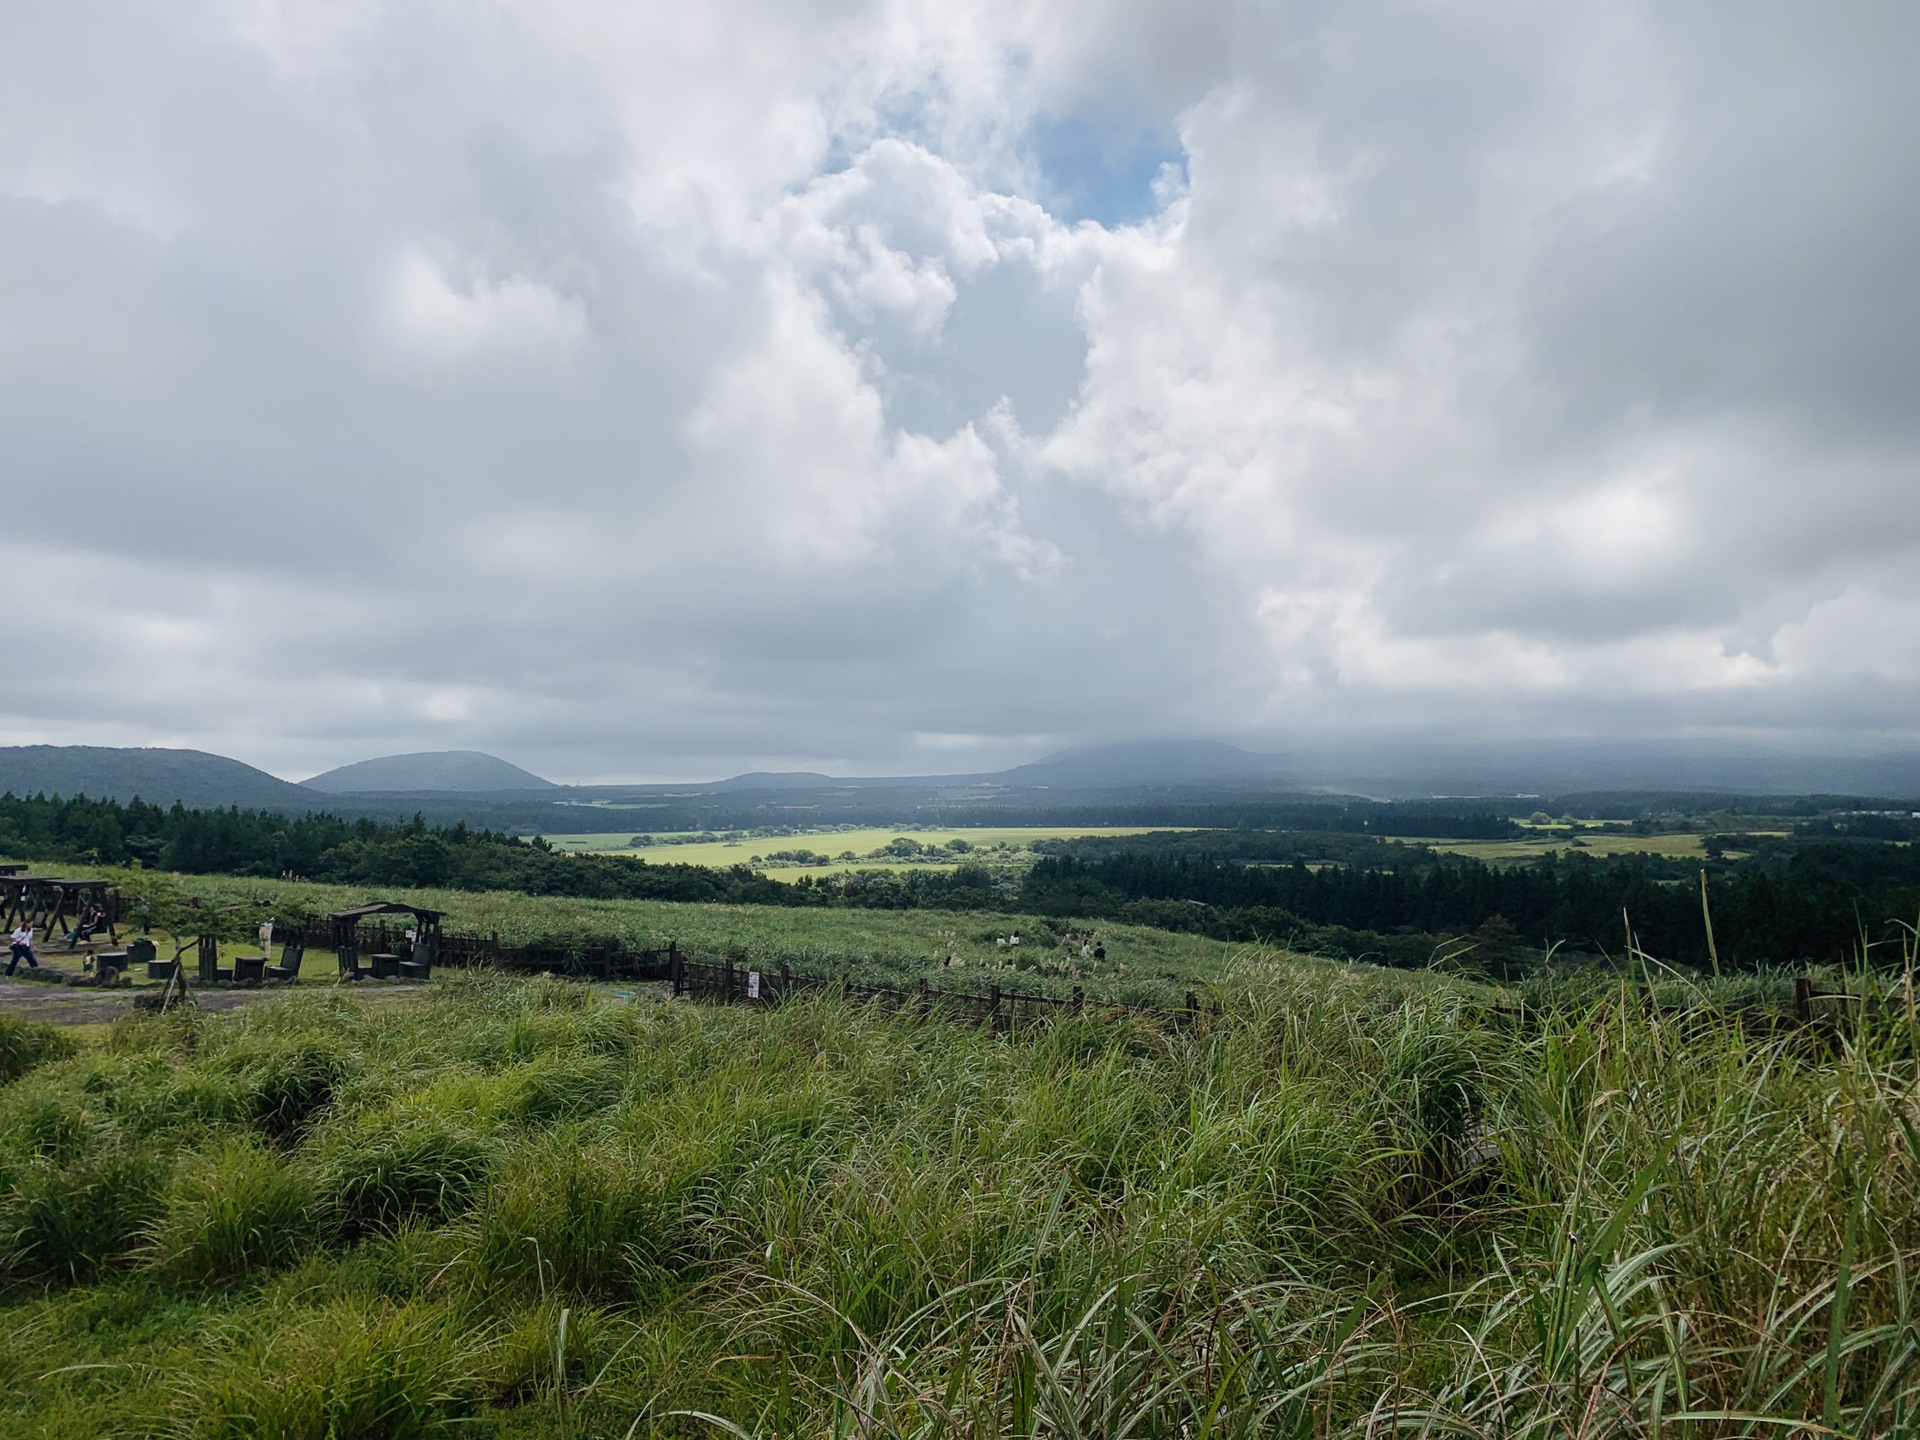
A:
{"points": [[27, 1043], [346, 1369], [386, 1168], [1351, 1206], [236, 1210]]}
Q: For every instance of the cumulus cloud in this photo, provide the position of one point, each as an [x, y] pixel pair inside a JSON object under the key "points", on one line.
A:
{"points": [[647, 391]]}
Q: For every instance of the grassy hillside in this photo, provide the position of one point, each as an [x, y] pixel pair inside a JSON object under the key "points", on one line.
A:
{"points": [[1142, 965], [1348, 1210]]}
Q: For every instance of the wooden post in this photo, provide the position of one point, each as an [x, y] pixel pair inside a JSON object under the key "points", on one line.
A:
{"points": [[209, 948], [786, 982], [1193, 1006], [726, 982], [993, 1012], [1079, 999], [676, 969], [1803, 999], [925, 1002]]}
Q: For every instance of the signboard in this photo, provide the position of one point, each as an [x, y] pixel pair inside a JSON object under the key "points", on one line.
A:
{"points": [[753, 984]]}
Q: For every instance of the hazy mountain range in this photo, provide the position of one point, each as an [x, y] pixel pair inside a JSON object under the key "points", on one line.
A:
{"points": [[450, 783]]}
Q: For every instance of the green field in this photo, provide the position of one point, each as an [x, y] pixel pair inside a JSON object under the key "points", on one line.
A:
{"points": [[1592, 841], [1348, 1208], [996, 845], [1142, 965]]}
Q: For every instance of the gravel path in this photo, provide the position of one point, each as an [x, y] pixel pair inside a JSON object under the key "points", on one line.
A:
{"points": [[83, 1005]]}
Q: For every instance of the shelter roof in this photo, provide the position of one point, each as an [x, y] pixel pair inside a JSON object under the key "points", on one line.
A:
{"points": [[387, 907]]}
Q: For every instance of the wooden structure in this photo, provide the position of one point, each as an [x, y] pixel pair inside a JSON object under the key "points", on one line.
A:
{"points": [[45, 901], [346, 925]]}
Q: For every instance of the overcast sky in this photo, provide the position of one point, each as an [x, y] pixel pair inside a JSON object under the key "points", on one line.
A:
{"points": [[649, 390]]}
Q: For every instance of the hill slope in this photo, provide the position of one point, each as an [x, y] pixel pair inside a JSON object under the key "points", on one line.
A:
{"points": [[161, 776], [463, 772]]}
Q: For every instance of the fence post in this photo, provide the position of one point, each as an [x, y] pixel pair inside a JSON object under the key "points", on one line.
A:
{"points": [[1802, 999], [726, 983], [1193, 1006], [786, 982], [993, 1012], [1079, 999], [676, 977], [925, 1003]]}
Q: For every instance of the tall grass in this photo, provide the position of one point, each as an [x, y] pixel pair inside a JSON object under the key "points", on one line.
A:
{"points": [[1349, 1208]]}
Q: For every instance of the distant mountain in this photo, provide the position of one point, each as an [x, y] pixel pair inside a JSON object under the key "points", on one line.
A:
{"points": [[1149, 762], [192, 777], [776, 780], [453, 772]]}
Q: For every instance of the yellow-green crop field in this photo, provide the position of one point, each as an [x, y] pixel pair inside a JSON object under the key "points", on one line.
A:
{"points": [[1594, 842], [998, 843]]}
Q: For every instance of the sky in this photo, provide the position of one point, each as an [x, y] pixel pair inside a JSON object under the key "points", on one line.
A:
{"points": [[659, 391]]}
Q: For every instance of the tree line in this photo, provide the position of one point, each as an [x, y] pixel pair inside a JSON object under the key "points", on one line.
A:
{"points": [[1810, 901], [1812, 898]]}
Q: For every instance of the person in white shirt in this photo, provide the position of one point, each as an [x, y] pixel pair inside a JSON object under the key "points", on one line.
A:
{"points": [[20, 948]]}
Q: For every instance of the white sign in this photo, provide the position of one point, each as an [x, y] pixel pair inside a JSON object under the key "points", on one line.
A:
{"points": [[753, 984]]}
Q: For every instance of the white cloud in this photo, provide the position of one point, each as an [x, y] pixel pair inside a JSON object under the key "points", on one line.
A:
{"points": [[429, 375], [516, 314]]}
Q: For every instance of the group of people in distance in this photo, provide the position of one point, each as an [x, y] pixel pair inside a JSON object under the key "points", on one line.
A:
{"points": [[20, 943]]}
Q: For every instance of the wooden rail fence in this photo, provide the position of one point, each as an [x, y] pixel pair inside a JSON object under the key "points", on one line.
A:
{"points": [[734, 980]]}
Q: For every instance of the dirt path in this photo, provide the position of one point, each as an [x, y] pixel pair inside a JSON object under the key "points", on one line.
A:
{"points": [[82, 1005]]}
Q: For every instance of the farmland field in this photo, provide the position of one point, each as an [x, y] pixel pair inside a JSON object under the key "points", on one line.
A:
{"points": [[1592, 842], [998, 844]]}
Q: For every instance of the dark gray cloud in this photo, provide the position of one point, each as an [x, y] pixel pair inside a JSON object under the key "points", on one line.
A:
{"points": [[641, 393]]}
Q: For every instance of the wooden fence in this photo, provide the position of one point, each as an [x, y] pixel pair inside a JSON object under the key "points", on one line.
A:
{"points": [[734, 980]]}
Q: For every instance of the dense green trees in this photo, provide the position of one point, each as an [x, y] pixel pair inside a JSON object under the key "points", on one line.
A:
{"points": [[1814, 901]]}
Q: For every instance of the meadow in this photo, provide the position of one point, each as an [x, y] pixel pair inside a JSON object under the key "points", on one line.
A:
{"points": [[1141, 964], [1352, 1206]]}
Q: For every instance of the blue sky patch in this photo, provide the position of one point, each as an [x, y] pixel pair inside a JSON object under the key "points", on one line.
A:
{"points": [[1095, 172]]}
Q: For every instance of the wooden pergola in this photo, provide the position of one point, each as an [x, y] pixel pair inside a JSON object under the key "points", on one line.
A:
{"points": [[44, 901], [346, 927]]}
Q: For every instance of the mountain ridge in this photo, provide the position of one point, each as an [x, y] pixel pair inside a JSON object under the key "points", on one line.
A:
{"points": [[446, 772], [157, 774]]}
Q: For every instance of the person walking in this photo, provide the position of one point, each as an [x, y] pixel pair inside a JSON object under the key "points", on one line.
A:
{"points": [[20, 947]]}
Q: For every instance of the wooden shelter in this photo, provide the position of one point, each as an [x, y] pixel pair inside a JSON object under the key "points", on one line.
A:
{"points": [[45, 901], [346, 927]]}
